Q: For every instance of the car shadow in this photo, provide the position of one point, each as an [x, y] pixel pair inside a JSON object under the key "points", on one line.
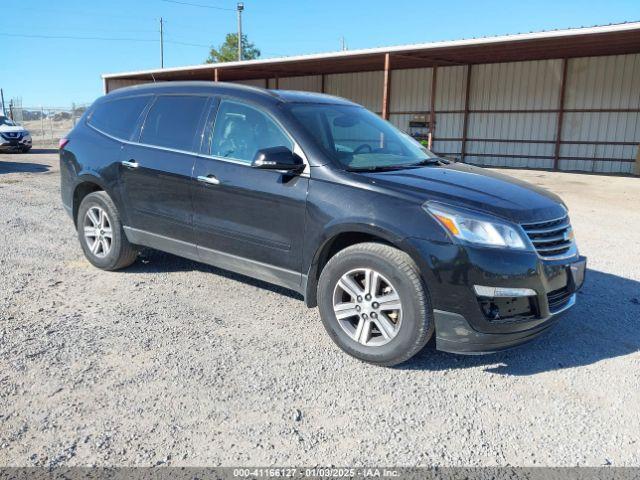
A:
{"points": [[155, 261], [22, 167], [39, 151], [604, 324]]}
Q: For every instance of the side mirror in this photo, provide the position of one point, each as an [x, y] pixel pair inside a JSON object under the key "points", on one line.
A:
{"points": [[278, 158]]}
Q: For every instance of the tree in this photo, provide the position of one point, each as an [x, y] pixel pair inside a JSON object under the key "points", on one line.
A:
{"points": [[228, 51]]}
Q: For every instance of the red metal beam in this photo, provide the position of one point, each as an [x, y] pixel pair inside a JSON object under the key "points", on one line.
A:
{"points": [[523, 111], [465, 121], [386, 87], [563, 88], [551, 157], [429, 58], [548, 142], [432, 102]]}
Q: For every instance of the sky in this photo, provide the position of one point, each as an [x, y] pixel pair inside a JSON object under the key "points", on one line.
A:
{"points": [[40, 64]]}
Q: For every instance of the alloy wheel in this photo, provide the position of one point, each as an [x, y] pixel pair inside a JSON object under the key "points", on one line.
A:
{"points": [[367, 307], [98, 232]]}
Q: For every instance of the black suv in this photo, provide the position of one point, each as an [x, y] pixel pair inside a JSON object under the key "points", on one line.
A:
{"points": [[319, 195]]}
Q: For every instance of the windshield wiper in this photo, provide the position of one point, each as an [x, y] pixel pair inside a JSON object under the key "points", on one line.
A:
{"points": [[379, 168], [428, 161], [387, 168]]}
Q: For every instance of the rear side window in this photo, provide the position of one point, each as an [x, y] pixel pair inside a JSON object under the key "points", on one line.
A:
{"points": [[118, 117], [172, 121]]}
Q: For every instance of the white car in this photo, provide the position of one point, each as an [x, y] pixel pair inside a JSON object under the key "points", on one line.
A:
{"points": [[14, 137]]}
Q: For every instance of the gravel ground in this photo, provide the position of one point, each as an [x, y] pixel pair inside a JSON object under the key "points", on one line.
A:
{"points": [[174, 363]]}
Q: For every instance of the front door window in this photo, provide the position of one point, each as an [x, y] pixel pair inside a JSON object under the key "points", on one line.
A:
{"points": [[241, 131]]}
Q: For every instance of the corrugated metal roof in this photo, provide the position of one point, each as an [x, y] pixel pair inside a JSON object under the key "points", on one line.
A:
{"points": [[589, 41]]}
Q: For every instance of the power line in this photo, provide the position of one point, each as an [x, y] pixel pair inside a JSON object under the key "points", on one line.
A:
{"points": [[71, 37], [176, 42], [200, 5], [92, 30], [91, 14]]}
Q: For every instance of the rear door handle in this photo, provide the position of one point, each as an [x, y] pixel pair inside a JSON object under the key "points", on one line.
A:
{"points": [[130, 164], [210, 179]]}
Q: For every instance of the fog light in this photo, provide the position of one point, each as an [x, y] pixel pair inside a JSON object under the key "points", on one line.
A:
{"points": [[494, 292]]}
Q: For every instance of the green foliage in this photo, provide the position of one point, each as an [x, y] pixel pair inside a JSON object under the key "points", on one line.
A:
{"points": [[228, 51]]}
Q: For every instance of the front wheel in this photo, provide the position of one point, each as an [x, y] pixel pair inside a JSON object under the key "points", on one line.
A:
{"points": [[374, 304]]}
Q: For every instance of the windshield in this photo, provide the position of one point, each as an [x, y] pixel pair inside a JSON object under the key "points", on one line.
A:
{"points": [[358, 139], [6, 121]]}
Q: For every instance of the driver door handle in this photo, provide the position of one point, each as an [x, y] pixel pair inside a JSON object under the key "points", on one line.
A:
{"points": [[130, 164], [210, 179]]}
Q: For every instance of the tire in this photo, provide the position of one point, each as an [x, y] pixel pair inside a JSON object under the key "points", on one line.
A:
{"points": [[26, 149], [412, 323], [110, 253]]}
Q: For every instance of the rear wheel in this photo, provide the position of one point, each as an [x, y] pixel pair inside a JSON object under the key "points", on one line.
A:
{"points": [[374, 305], [101, 235]]}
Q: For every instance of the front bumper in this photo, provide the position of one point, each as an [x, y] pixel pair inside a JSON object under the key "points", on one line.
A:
{"points": [[454, 334], [14, 144], [464, 323]]}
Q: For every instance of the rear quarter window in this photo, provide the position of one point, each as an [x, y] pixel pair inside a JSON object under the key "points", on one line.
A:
{"points": [[173, 121], [118, 117]]}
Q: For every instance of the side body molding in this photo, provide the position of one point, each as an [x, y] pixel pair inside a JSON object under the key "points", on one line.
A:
{"points": [[251, 268]]}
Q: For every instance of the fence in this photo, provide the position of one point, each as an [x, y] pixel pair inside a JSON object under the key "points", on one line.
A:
{"points": [[46, 124]]}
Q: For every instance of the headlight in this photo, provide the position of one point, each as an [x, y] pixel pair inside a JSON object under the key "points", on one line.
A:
{"points": [[476, 229]]}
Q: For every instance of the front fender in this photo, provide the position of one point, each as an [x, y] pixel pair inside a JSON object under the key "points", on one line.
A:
{"points": [[364, 226], [355, 225]]}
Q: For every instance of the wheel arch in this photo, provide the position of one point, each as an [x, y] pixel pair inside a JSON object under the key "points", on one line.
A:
{"points": [[86, 184], [340, 237]]}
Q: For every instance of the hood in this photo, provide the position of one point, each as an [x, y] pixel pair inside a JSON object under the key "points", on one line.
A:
{"points": [[10, 128], [464, 185]]}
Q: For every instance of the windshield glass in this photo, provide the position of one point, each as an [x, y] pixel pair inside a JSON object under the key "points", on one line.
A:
{"points": [[6, 121], [358, 139]]}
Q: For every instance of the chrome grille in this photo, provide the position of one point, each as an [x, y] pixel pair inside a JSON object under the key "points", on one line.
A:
{"points": [[551, 238], [12, 135]]}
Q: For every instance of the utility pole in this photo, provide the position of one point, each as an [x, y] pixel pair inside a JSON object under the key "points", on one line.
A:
{"points": [[4, 113], [240, 7], [161, 43]]}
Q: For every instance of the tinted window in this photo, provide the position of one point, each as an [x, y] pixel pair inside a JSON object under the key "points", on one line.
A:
{"points": [[172, 121], [118, 117], [240, 131]]}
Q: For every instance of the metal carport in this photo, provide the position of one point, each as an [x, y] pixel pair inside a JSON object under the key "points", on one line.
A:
{"points": [[564, 99]]}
